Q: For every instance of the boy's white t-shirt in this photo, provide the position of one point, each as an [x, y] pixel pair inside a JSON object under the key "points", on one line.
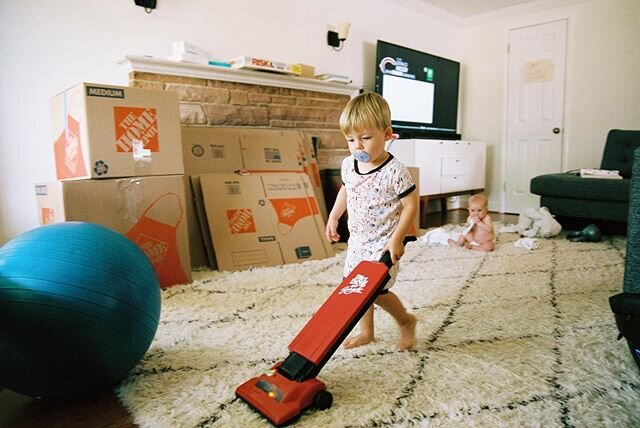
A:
{"points": [[373, 206]]}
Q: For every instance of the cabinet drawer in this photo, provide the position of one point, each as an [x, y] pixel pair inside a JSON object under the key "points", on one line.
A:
{"points": [[458, 183], [457, 166], [456, 149]]}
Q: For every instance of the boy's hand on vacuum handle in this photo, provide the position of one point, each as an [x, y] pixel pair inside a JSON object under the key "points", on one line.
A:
{"points": [[396, 250]]}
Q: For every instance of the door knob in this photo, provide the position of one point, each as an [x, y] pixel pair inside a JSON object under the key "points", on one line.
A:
{"points": [[556, 130]]}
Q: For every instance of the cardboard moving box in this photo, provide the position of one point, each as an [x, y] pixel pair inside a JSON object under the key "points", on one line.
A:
{"points": [[263, 219], [102, 131], [226, 150], [148, 210], [216, 150]]}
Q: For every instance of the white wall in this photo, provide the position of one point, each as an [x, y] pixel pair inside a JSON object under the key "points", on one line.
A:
{"points": [[602, 82], [49, 46]]}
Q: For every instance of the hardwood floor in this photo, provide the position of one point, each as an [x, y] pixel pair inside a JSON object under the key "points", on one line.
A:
{"points": [[18, 411]]}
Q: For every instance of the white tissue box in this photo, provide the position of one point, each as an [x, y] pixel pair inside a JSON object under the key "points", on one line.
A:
{"points": [[188, 57]]}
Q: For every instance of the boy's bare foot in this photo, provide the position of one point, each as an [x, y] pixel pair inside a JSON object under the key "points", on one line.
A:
{"points": [[408, 334], [359, 340]]}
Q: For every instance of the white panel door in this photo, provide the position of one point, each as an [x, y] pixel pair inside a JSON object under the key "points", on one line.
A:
{"points": [[536, 73]]}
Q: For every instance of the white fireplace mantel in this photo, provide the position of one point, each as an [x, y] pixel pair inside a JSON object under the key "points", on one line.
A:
{"points": [[163, 66]]}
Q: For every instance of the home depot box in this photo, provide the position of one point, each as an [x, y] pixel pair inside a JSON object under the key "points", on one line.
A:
{"points": [[263, 219], [217, 150], [102, 131], [225, 150], [149, 210]]}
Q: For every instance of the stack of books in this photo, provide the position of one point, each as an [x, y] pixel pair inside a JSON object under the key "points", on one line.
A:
{"points": [[600, 173], [261, 64]]}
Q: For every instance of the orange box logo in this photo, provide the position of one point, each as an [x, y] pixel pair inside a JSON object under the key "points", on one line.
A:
{"points": [[68, 151], [159, 240], [241, 221], [136, 124], [155, 249], [290, 210]]}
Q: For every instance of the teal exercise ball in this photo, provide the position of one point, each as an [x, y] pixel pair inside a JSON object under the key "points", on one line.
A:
{"points": [[79, 307]]}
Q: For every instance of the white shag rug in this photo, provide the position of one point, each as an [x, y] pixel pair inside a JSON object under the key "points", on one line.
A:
{"points": [[512, 338]]}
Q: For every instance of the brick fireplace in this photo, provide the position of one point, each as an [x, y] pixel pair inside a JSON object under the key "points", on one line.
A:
{"points": [[239, 98]]}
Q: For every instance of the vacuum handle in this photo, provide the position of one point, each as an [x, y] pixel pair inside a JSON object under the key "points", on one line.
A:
{"points": [[386, 256], [386, 259]]}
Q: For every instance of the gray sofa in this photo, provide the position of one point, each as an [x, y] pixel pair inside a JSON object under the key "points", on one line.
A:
{"points": [[567, 195]]}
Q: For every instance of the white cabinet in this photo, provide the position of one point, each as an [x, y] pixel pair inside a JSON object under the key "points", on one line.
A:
{"points": [[446, 166]]}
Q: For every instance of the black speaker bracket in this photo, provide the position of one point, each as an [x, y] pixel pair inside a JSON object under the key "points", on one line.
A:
{"points": [[148, 5]]}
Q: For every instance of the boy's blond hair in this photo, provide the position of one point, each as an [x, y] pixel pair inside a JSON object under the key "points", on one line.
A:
{"points": [[368, 110], [479, 198]]}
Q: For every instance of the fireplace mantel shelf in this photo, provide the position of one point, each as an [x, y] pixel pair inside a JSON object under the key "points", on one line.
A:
{"points": [[163, 66]]}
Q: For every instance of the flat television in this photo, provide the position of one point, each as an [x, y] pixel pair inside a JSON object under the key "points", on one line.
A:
{"points": [[421, 89]]}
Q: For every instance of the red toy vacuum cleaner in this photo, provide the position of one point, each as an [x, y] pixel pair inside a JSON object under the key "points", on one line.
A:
{"points": [[290, 386]]}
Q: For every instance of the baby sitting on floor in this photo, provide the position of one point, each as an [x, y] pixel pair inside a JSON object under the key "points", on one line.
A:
{"points": [[478, 233]]}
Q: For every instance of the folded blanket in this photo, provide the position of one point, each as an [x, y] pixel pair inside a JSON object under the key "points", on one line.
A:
{"points": [[440, 236]]}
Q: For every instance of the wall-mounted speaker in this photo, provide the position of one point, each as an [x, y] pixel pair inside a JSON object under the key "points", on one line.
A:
{"points": [[147, 4]]}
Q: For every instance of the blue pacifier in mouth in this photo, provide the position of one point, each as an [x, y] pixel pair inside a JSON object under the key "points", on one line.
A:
{"points": [[361, 156]]}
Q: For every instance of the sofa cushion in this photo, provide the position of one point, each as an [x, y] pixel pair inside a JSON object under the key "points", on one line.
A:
{"points": [[618, 151], [592, 209], [572, 186]]}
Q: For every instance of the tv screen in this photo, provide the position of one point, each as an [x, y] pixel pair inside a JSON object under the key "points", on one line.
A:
{"points": [[421, 89]]}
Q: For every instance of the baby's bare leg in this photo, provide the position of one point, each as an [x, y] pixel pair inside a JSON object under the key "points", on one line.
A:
{"points": [[406, 321], [457, 243], [366, 331], [485, 246], [467, 240]]}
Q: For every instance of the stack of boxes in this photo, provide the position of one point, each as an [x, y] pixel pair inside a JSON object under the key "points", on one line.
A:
{"points": [[256, 196], [227, 198], [118, 157]]}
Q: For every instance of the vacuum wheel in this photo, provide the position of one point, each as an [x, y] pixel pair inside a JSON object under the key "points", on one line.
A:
{"points": [[322, 400]]}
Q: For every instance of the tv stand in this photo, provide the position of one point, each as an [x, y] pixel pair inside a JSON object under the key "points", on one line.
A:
{"points": [[447, 167], [427, 135]]}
